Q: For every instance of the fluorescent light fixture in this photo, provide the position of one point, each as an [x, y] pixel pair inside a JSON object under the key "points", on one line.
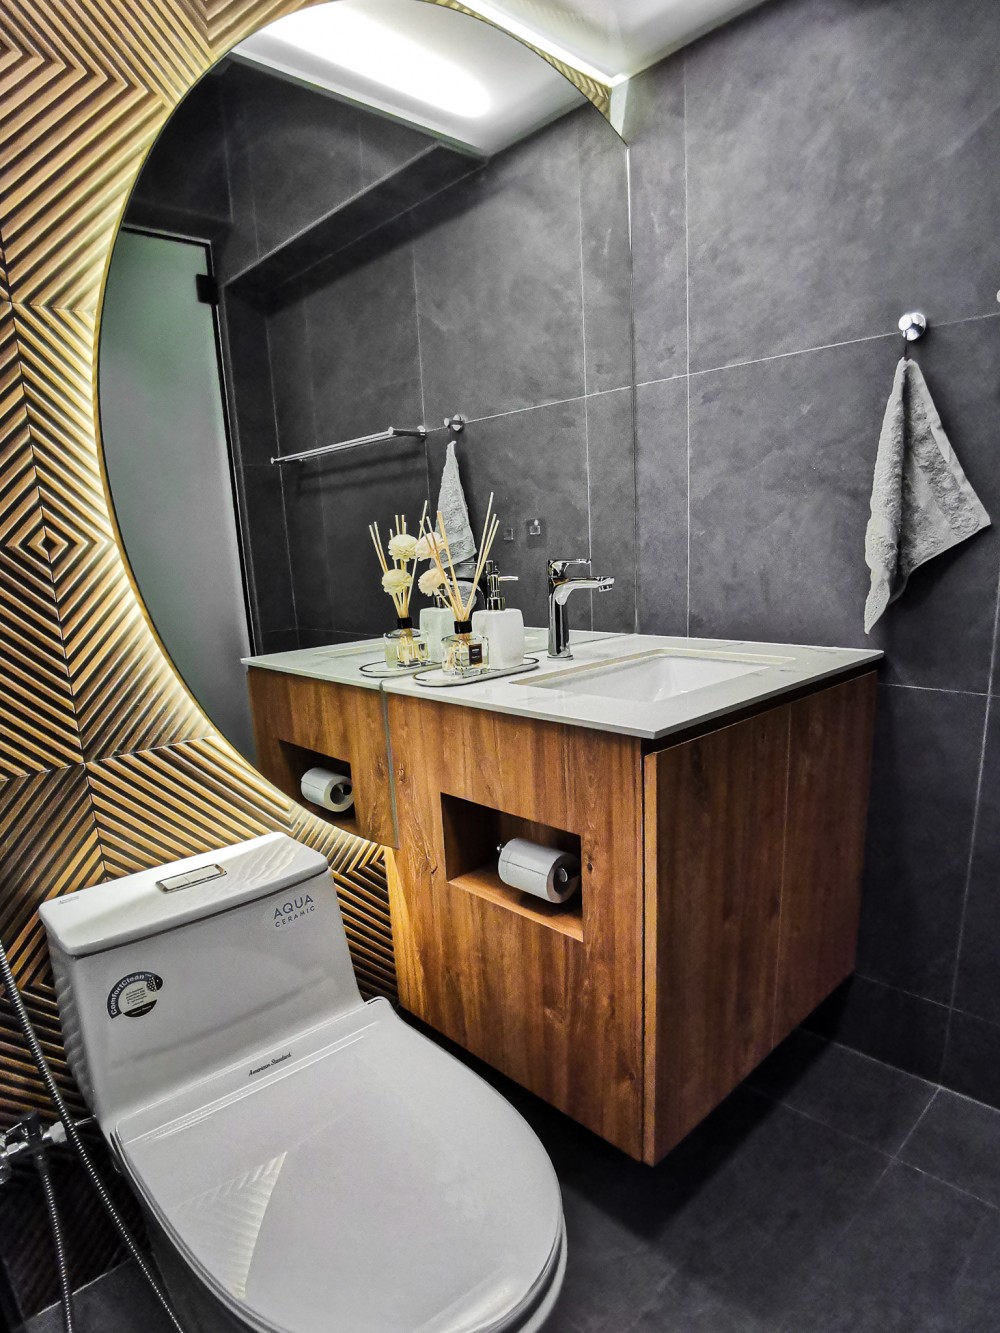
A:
{"points": [[348, 40]]}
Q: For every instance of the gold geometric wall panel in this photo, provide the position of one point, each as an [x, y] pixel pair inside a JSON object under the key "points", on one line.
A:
{"points": [[49, 839], [49, 847], [38, 727], [107, 764], [127, 694]]}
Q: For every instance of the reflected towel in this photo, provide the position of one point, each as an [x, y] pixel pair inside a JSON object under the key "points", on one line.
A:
{"points": [[452, 505], [922, 503]]}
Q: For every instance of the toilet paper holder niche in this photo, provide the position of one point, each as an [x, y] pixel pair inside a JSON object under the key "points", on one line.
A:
{"points": [[545, 872]]}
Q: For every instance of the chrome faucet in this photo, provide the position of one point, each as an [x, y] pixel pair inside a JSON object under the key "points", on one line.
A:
{"points": [[560, 588]]}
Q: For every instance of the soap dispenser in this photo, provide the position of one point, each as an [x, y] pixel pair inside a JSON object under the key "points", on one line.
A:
{"points": [[503, 628]]}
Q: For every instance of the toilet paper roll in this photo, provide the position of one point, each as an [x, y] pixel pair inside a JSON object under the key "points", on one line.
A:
{"points": [[543, 871], [333, 791]]}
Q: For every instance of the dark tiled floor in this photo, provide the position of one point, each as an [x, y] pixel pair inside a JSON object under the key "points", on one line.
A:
{"points": [[828, 1193], [119, 1302]]}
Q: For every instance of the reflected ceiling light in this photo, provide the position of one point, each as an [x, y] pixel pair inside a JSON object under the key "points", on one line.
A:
{"points": [[341, 36], [494, 13]]}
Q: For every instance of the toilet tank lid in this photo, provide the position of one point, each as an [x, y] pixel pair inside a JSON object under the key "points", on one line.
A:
{"points": [[152, 901]]}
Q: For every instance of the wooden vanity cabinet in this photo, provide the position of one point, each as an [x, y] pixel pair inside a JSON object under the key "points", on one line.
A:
{"points": [[721, 874], [719, 901], [551, 996], [301, 723]]}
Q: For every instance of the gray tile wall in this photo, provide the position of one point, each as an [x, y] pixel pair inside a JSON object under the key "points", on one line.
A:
{"points": [[800, 179], [504, 297]]}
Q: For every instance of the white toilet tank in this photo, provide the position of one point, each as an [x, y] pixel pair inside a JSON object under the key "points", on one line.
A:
{"points": [[172, 973]]}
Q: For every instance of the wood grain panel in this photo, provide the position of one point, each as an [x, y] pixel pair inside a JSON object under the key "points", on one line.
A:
{"points": [[337, 722], [829, 773], [713, 874], [559, 1014]]}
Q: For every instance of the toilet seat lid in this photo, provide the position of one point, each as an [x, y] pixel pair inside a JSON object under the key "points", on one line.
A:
{"points": [[366, 1181]]}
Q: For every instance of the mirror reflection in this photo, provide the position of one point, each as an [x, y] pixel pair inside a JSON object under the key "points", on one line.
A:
{"points": [[324, 246]]}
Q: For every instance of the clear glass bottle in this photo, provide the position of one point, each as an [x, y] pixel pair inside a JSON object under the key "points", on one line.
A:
{"points": [[404, 647], [436, 624], [465, 653]]}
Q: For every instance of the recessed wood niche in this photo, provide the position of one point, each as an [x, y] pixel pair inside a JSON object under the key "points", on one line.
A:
{"points": [[719, 898]]}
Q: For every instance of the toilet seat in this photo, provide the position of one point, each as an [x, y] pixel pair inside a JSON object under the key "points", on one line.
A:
{"points": [[354, 1179]]}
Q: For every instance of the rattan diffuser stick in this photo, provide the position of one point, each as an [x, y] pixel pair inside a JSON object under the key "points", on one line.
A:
{"points": [[461, 607], [397, 577]]}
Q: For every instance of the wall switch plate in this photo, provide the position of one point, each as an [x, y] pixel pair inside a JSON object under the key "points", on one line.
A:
{"points": [[508, 534]]}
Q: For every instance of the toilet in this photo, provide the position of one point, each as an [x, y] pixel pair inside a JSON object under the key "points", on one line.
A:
{"points": [[306, 1161]]}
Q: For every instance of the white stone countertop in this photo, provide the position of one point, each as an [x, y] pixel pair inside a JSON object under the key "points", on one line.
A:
{"points": [[652, 701]]}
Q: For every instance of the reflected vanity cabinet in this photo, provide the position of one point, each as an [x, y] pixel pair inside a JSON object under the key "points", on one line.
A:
{"points": [[301, 723], [718, 905]]}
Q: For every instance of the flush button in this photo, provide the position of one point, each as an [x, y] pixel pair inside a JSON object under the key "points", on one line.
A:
{"points": [[190, 877]]}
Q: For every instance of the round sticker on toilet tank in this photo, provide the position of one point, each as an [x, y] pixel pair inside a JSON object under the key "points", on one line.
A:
{"points": [[134, 995]]}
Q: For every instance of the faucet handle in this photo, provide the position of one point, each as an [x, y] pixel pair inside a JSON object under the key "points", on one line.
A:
{"points": [[558, 568]]}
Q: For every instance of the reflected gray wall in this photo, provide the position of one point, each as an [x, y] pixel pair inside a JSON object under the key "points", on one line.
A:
{"points": [[802, 178], [432, 284], [505, 297]]}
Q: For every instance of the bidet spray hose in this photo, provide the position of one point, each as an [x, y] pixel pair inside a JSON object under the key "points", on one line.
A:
{"points": [[65, 1288], [72, 1133]]}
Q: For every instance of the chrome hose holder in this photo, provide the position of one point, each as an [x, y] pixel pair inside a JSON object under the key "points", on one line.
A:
{"points": [[28, 1136]]}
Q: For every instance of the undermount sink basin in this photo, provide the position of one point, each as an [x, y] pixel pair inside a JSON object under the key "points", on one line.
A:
{"points": [[655, 676]]}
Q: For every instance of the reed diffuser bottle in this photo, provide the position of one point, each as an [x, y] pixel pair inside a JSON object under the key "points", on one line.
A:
{"points": [[405, 648], [464, 652]]}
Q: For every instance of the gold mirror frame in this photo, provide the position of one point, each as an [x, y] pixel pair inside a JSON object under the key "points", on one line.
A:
{"points": [[107, 763]]}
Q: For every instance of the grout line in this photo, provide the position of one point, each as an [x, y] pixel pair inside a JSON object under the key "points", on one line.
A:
{"points": [[534, 407], [636, 577], [687, 334], [972, 839], [583, 343], [420, 365], [664, 379], [933, 689], [889, 985], [801, 351], [968, 876], [821, 347], [874, 1060], [825, 1124], [281, 487], [916, 1124], [966, 319], [950, 1184]]}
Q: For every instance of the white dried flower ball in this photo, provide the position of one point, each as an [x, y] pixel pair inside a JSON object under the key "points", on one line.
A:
{"points": [[402, 546], [425, 547], [395, 580], [430, 580]]}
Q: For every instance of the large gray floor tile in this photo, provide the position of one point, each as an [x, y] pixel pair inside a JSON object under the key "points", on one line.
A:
{"points": [[845, 1090], [958, 1141], [920, 1258]]}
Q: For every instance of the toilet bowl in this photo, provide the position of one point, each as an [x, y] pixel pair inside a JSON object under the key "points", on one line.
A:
{"points": [[308, 1163]]}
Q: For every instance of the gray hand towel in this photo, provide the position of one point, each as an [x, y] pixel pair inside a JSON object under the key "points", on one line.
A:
{"points": [[451, 503], [922, 503]]}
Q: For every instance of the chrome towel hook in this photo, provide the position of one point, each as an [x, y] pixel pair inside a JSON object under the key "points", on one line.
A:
{"points": [[912, 326]]}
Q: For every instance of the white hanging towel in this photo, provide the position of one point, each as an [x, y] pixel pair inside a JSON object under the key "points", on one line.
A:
{"points": [[452, 505], [922, 503]]}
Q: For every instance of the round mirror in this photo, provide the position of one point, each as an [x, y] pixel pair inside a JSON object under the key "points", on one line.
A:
{"points": [[379, 235]]}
